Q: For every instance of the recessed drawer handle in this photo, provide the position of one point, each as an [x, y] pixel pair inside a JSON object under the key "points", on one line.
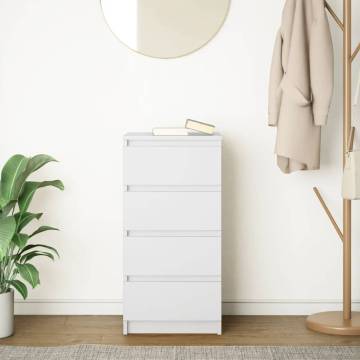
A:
{"points": [[173, 188], [171, 233], [172, 278]]}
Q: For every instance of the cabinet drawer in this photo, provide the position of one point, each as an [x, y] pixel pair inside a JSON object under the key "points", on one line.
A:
{"points": [[199, 165], [172, 256], [172, 211], [167, 301]]}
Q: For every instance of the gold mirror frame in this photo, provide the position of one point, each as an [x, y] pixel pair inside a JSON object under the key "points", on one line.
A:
{"points": [[202, 42]]}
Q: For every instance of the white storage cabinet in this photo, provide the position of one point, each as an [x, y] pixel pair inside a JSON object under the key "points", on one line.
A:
{"points": [[172, 234]]}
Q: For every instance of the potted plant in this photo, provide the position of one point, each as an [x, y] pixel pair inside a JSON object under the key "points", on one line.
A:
{"points": [[16, 247]]}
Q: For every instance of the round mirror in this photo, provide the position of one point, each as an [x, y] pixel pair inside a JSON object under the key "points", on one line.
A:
{"points": [[165, 28]]}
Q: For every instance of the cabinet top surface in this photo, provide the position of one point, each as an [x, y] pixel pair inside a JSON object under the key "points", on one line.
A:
{"points": [[150, 136]]}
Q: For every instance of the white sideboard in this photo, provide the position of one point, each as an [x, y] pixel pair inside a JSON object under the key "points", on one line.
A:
{"points": [[172, 234]]}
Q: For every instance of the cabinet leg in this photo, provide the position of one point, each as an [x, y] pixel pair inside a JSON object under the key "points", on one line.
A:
{"points": [[125, 327]]}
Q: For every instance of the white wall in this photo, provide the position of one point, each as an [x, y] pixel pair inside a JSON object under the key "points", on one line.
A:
{"points": [[70, 89]]}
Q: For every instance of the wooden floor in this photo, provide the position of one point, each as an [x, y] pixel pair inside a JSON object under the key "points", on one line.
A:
{"points": [[237, 330]]}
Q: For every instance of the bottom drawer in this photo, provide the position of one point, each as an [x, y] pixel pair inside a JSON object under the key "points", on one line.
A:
{"points": [[171, 327], [172, 301]]}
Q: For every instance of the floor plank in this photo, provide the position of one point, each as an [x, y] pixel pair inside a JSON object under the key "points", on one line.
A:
{"points": [[237, 330]]}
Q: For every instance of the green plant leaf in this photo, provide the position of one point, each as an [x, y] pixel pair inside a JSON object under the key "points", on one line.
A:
{"points": [[15, 257], [12, 177], [30, 188], [30, 255], [38, 161], [7, 231], [3, 201], [15, 172], [42, 229], [19, 286], [24, 219], [5, 211], [29, 273], [20, 240], [33, 246]]}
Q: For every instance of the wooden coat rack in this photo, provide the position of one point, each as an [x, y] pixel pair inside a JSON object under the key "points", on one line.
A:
{"points": [[345, 322]]}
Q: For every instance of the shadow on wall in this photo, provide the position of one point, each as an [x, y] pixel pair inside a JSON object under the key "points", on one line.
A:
{"points": [[332, 132], [231, 240]]}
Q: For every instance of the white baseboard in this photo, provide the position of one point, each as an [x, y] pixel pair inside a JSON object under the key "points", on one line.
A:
{"points": [[230, 307], [68, 307], [283, 307]]}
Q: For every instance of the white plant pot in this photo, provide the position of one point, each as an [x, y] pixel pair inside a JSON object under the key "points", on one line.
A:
{"points": [[6, 314]]}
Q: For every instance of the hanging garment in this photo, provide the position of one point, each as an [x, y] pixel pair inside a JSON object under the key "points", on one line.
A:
{"points": [[351, 176], [301, 84]]}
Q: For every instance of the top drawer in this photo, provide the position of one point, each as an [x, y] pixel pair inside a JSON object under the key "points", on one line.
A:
{"points": [[172, 162]]}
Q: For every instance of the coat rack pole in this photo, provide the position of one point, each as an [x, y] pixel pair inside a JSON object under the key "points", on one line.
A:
{"points": [[347, 60], [343, 322]]}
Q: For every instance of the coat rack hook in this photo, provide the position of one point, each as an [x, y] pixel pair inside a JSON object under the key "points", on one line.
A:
{"points": [[333, 14], [353, 56], [351, 139], [328, 213]]}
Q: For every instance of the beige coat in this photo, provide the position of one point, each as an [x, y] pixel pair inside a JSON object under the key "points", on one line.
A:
{"points": [[301, 84]]}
